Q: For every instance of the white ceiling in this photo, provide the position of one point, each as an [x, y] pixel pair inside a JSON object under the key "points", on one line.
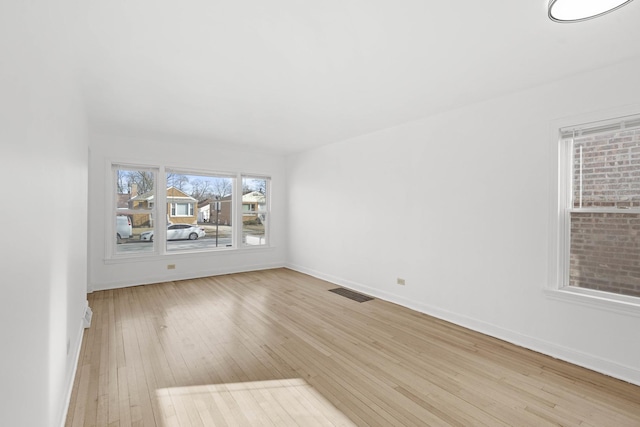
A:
{"points": [[289, 75]]}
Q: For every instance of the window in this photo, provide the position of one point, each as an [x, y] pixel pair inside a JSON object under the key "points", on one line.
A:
{"points": [[600, 206], [255, 210], [199, 211], [195, 211], [182, 209], [134, 210]]}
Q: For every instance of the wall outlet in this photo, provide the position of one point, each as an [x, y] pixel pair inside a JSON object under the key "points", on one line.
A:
{"points": [[171, 266], [400, 281]]}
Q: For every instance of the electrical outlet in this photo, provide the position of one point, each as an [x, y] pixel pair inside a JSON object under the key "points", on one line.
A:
{"points": [[400, 281], [171, 266]]}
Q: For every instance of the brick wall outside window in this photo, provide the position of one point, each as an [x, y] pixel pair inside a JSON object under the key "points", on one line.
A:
{"points": [[605, 252], [605, 247], [610, 170]]}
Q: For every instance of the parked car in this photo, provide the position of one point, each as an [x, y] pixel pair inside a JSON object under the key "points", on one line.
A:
{"points": [[177, 232], [124, 229]]}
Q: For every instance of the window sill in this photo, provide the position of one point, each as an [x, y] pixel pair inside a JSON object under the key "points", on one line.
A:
{"points": [[191, 253], [620, 304]]}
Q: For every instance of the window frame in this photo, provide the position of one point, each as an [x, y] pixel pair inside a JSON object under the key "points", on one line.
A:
{"points": [[160, 199], [110, 246], [194, 211], [266, 211], [174, 209], [562, 207]]}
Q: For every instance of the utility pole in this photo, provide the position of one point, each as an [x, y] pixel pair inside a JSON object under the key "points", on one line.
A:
{"points": [[217, 208]]}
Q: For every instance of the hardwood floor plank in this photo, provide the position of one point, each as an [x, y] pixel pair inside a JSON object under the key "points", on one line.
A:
{"points": [[109, 370], [275, 348]]}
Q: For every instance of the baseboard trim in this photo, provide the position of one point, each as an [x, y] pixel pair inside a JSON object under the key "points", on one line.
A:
{"points": [[603, 366], [182, 276], [71, 373]]}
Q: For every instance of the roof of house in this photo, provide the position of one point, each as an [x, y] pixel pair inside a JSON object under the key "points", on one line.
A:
{"points": [[177, 195], [149, 195], [122, 200], [254, 196]]}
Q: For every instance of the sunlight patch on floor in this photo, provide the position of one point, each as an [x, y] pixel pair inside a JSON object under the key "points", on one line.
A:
{"points": [[274, 402]]}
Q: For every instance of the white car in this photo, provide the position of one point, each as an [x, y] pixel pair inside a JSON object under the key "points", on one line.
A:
{"points": [[177, 232]]}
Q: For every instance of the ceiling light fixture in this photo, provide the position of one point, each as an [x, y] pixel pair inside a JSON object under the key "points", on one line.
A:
{"points": [[581, 10]]}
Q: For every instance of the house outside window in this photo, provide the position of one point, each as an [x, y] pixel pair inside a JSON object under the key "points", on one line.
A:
{"points": [[180, 207], [600, 207]]}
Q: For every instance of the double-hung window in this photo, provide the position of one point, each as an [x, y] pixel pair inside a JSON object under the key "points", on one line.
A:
{"points": [[600, 207], [255, 210], [134, 208]]}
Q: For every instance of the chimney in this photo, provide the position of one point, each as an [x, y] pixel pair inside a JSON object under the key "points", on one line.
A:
{"points": [[134, 190]]}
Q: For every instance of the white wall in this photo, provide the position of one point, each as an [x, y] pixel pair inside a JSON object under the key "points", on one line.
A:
{"points": [[459, 205], [43, 212], [178, 153]]}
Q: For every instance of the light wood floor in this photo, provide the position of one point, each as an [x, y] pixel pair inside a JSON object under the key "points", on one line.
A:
{"points": [[275, 348]]}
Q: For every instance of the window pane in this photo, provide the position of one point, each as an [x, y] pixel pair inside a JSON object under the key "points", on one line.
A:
{"points": [[200, 207], [607, 170], [134, 189], [254, 211], [182, 209], [134, 209], [605, 252], [129, 229]]}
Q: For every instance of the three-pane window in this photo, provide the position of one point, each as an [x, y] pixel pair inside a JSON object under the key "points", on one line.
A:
{"points": [[194, 211]]}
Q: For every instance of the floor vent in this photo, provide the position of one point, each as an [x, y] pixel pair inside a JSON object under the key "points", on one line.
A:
{"points": [[351, 295]]}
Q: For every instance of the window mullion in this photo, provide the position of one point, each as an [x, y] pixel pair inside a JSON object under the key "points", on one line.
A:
{"points": [[161, 213]]}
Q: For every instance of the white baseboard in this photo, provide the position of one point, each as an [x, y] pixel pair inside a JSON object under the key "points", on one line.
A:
{"points": [[72, 363], [575, 357], [169, 277]]}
